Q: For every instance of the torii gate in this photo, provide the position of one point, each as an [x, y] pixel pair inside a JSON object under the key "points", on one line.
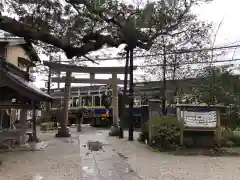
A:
{"points": [[63, 131]]}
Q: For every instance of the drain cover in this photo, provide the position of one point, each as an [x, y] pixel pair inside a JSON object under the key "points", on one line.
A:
{"points": [[94, 145]]}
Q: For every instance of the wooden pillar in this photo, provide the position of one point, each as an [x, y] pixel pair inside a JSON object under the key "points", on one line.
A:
{"points": [[181, 120], [218, 129], [34, 129], [63, 131], [23, 122], [150, 135], [13, 115], [115, 99]]}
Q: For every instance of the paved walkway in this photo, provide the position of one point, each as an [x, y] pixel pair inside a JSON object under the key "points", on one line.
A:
{"points": [[160, 166], [105, 164]]}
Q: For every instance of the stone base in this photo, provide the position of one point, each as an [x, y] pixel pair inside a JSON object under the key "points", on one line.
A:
{"points": [[31, 139], [23, 146], [114, 131], [121, 133], [141, 138], [79, 128], [34, 146], [63, 132]]}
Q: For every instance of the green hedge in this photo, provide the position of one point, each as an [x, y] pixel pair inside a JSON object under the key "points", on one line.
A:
{"points": [[165, 132], [231, 122], [230, 138], [47, 126]]}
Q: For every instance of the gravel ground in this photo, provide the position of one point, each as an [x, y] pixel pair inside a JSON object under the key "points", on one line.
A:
{"points": [[160, 166], [59, 160]]}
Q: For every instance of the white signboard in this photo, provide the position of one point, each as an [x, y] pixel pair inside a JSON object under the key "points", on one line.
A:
{"points": [[199, 119]]}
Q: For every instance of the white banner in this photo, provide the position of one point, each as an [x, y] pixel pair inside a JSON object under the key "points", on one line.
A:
{"points": [[199, 119]]}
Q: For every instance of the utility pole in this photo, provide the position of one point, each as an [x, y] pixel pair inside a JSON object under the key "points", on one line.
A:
{"points": [[124, 97], [130, 130], [164, 78], [59, 73]]}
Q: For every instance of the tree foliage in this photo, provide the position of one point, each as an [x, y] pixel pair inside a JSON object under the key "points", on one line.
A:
{"points": [[80, 26], [190, 34], [218, 85]]}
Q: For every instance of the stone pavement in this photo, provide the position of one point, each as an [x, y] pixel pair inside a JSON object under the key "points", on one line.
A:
{"points": [[104, 164]]}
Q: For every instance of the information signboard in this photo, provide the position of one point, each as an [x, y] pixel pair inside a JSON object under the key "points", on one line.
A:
{"points": [[199, 119]]}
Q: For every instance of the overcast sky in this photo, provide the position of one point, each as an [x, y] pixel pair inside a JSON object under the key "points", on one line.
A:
{"points": [[225, 11]]}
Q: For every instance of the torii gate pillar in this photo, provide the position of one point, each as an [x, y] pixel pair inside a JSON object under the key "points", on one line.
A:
{"points": [[115, 128], [63, 130]]}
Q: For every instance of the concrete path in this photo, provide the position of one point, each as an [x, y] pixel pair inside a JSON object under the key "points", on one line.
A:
{"points": [[104, 164]]}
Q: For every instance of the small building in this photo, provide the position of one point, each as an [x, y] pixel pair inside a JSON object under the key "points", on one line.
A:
{"points": [[18, 53], [18, 94]]}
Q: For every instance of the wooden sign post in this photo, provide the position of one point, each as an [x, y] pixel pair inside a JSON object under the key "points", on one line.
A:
{"points": [[200, 119]]}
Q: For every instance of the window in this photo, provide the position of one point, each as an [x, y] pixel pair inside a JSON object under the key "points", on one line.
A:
{"points": [[97, 100], [87, 101], [70, 102], [75, 101], [56, 103], [137, 101]]}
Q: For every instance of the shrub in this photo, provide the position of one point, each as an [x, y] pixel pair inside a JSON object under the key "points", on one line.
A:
{"points": [[43, 119], [166, 132], [47, 126], [231, 122], [231, 138]]}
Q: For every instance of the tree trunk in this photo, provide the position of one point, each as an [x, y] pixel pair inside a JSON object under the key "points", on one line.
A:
{"points": [[35, 139]]}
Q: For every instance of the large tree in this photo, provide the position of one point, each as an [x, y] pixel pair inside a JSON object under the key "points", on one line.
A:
{"points": [[79, 26], [190, 34]]}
